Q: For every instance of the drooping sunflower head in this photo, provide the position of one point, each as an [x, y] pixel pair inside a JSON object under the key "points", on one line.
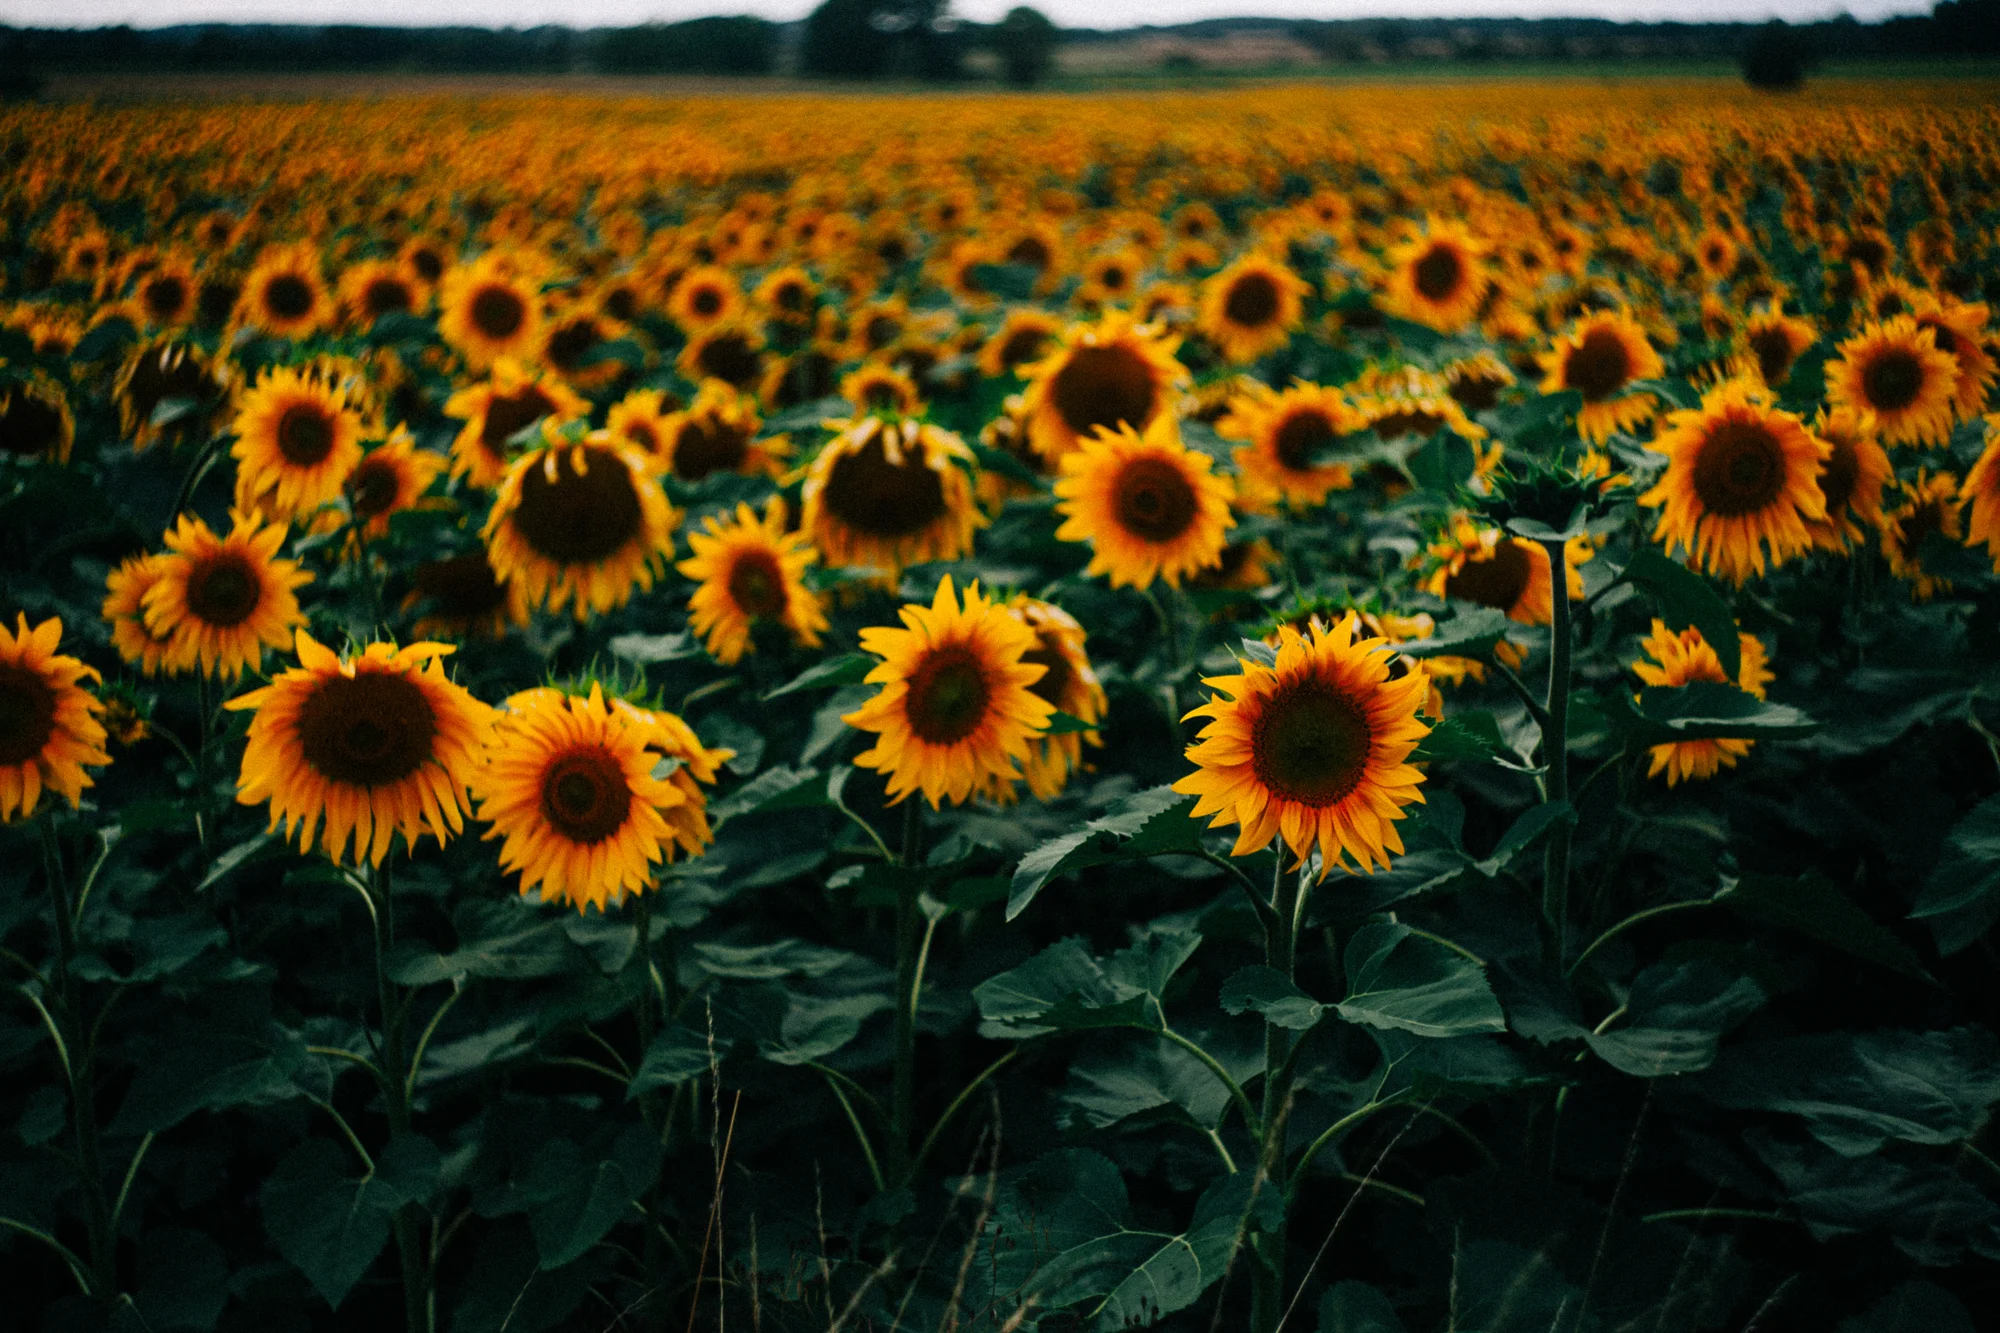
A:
{"points": [[491, 309], [1487, 567], [1022, 339], [49, 723], [36, 420], [1438, 277], [717, 433], [1920, 507], [1102, 376], [640, 420], [284, 295], [957, 710], [1251, 307], [1287, 436], [362, 748], [460, 597], [499, 411], [1851, 478], [886, 494], [1407, 402], [1601, 356], [1741, 488], [1894, 375], [1312, 746], [749, 571], [220, 600], [171, 374], [298, 435], [1150, 507], [582, 524], [1476, 382], [1069, 685]]}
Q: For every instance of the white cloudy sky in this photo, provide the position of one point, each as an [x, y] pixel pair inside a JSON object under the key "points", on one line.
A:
{"points": [[1081, 13]]}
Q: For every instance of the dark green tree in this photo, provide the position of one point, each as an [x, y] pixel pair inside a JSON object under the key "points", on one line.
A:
{"points": [[1026, 43], [1775, 57], [869, 39]]}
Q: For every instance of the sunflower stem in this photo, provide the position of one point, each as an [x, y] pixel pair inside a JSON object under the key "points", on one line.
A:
{"points": [[419, 1309], [1555, 757], [103, 1275], [1288, 901], [903, 1097]]}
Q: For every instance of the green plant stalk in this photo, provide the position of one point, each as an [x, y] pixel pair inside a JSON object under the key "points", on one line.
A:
{"points": [[1555, 758], [654, 1258], [1267, 1293], [82, 1084], [903, 1092], [419, 1306]]}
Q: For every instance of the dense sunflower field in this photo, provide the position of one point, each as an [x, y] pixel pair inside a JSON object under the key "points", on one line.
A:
{"points": [[953, 714]]}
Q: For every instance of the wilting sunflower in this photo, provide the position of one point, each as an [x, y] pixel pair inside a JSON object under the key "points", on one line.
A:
{"points": [[1742, 482], [1022, 339], [163, 372], [1982, 492], [750, 570], [1895, 376], [1599, 357], [887, 494], [1103, 375], [1681, 659], [1251, 307], [1437, 278], [882, 389], [298, 436], [390, 477], [1313, 747], [1926, 503], [284, 295], [459, 597], [36, 421], [49, 728], [490, 309], [1773, 341], [717, 432], [515, 398], [582, 524], [704, 297], [1070, 685], [1487, 567], [640, 419], [1959, 329], [957, 710], [125, 611], [1851, 478], [567, 781], [1284, 432], [222, 600], [378, 287], [374, 745], [1149, 506]]}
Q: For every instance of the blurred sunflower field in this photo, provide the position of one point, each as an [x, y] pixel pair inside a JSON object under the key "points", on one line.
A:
{"points": [[955, 713]]}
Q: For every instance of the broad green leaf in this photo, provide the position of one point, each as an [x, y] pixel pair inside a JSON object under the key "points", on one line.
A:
{"points": [[847, 669], [1813, 907], [1444, 463], [1063, 724], [676, 1056], [1063, 986], [1531, 824], [183, 1280], [779, 788], [1473, 1065], [1927, 1206], [1166, 1274], [1356, 1307], [814, 1028], [1676, 1018], [212, 1071], [105, 340], [500, 938], [1705, 710], [328, 1224], [1471, 632], [234, 857], [1009, 282], [1961, 899], [649, 649], [1458, 738], [1398, 979], [1913, 1307], [1148, 1074], [574, 1197], [1148, 823], [1686, 598], [1269, 992]]}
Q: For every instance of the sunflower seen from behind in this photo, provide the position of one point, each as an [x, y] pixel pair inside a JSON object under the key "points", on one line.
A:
{"points": [[1600, 357], [1150, 507], [1101, 376], [1489, 567], [1312, 746], [221, 599], [298, 436], [579, 523], [717, 433], [362, 748], [887, 492], [50, 728], [956, 711], [747, 571], [1251, 307], [1895, 377], [1683, 658]]}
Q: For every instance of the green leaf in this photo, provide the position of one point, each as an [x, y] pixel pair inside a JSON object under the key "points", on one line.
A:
{"points": [[678, 1055], [624, 351], [1356, 1307], [233, 857], [779, 788], [1399, 979], [1705, 710], [105, 340], [327, 1224], [1459, 738], [1269, 992], [1149, 823], [1443, 464], [183, 1280], [815, 1028], [1813, 907], [1531, 824], [1062, 724], [847, 669], [1676, 1017], [1062, 987], [575, 1197], [1686, 598], [212, 1071], [1146, 1075], [648, 649], [1472, 632], [1165, 1274], [1008, 282], [505, 938], [1913, 1307], [1961, 899]]}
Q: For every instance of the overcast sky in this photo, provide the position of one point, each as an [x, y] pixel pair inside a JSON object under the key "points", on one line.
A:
{"points": [[1075, 13]]}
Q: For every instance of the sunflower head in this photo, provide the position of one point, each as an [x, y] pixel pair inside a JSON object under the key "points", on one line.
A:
{"points": [[888, 493], [1981, 493], [1897, 379], [1773, 342], [49, 723], [1921, 507], [750, 571], [284, 295], [1682, 658], [1102, 376], [717, 433], [1286, 436], [640, 419], [579, 522], [882, 390], [497, 415], [1251, 307], [1600, 358], [1851, 479], [35, 420], [298, 436], [1438, 277], [219, 600], [1149, 506], [732, 352]]}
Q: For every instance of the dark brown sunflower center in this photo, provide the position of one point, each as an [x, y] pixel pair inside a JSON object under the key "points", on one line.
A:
{"points": [[368, 730], [1920, 524], [462, 587], [1102, 386], [29, 427], [1112, 278], [305, 435], [790, 297], [428, 263], [881, 396], [1395, 425], [757, 585], [1154, 499], [165, 297], [509, 414], [1867, 251], [1740, 469], [1599, 366], [1252, 302], [621, 303], [1892, 380], [881, 330], [882, 499], [643, 435], [1439, 273], [1055, 681], [729, 358], [1941, 337], [386, 296], [705, 302], [1890, 304], [372, 488], [1497, 581], [707, 445], [1839, 473], [1031, 251], [27, 714], [571, 342], [582, 517], [498, 312], [947, 696], [1301, 434], [1773, 351], [1476, 392], [1021, 347], [223, 590], [1310, 743], [288, 296], [585, 795]]}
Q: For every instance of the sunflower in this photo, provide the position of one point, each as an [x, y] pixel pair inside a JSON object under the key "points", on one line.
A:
{"points": [[376, 744], [1773, 341], [125, 611], [221, 601], [1928, 504], [1109, 278], [1284, 431], [49, 727], [1982, 492], [1312, 747], [957, 711], [1036, 244], [425, 260], [579, 523], [732, 353], [1897, 378], [881, 389], [750, 570], [161, 374], [1599, 357], [459, 597], [718, 433], [1742, 476], [1851, 478], [165, 293], [378, 287], [1959, 330], [1681, 659], [888, 494], [1476, 382], [1487, 567], [568, 781], [490, 309], [284, 295], [390, 478], [1069, 685], [1022, 338], [36, 421], [1104, 375], [704, 297], [298, 436], [515, 398], [786, 296], [640, 419], [1437, 278], [1251, 307], [876, 327], [1409, 402], [1149, 506]]}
